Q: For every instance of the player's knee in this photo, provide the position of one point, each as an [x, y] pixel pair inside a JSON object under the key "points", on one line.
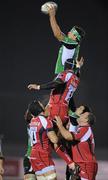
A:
{"points": [[29, 177], [52, 176]]}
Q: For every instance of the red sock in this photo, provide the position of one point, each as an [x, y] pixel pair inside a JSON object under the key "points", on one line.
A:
{"points": [[63, 155]]}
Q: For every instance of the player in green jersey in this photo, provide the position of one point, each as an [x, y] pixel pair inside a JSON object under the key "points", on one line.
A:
{"points": [[70, 43]]}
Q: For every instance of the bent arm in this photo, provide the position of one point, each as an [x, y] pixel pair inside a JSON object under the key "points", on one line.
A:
{"points": [[65, 133]]}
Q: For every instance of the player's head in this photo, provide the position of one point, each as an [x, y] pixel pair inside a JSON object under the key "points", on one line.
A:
{"points": [[76, 33], [86, 118], [35, 108], [69, 64]]}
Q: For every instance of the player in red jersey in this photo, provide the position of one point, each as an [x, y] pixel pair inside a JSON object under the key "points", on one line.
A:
{"points": [[83, 149], [42, 133], [72, 126], [63, 88]]}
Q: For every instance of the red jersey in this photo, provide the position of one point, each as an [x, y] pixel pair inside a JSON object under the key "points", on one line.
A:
{"points": [[40, 156], [83, 150], [63, 93], [39, 127]]}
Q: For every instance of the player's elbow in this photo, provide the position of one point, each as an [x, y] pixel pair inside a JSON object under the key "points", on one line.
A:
{"points": [[57, 35]]}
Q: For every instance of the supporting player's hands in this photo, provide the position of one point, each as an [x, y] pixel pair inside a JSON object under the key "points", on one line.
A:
{"points": [[33, 87], [72, 166], [74, 170], [79, 63], [58, 121]]}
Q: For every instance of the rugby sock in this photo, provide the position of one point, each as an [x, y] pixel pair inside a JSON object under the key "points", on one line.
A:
{"points": [[63, 155]]}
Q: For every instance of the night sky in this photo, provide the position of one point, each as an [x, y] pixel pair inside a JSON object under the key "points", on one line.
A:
{"points": [[28, 52]]}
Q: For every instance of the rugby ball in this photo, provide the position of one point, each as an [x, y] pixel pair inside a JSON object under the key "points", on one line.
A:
{"points": [[45, 7]]}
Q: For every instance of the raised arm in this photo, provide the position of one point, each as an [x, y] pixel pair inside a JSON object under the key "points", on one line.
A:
{"points": [[54, 25]]}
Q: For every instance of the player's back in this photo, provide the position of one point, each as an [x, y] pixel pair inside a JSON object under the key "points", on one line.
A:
{"points": [[64, 92], [38, 133]]}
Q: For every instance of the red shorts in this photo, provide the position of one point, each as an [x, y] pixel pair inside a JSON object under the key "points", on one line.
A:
{"points": [[40, 160], [88, 170], [59, 109]]}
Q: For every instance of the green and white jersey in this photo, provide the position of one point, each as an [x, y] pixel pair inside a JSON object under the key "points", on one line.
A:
{"points": [[68, 50], [29, 143]]}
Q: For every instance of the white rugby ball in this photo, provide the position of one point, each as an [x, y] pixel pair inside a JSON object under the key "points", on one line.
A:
{"points": [[45, 7]]}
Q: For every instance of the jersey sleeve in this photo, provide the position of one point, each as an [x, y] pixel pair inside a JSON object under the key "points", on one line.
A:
{"points": [[80, 133]]}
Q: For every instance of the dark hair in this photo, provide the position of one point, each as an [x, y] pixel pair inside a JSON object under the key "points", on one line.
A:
{"points": [[86, 109], [91, 119], [35, 108], [80, 30], [27, 116]]}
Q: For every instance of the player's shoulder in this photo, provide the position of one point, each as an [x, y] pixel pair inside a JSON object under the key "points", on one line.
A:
{"points": [[83, 128], [66, 72], [68, 41], [69, 73], [44, 120], [34, 122]]}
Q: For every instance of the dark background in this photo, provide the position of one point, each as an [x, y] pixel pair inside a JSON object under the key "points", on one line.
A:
{"points": [[28, 52]]}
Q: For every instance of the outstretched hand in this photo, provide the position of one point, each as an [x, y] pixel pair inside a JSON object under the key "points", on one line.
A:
{"points": [[79, 63], [33, 87]]}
